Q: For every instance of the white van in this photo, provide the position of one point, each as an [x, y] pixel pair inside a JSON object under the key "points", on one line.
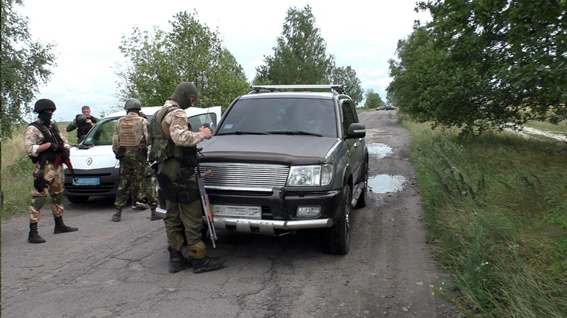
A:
{"points": [[95, 165]]}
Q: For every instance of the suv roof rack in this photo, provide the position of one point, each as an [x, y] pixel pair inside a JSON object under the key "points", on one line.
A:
{"points": [[340, 89]]}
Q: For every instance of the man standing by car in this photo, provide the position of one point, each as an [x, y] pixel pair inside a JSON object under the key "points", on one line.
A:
{"points": [[47, 149], [129, 143], [83, 123], [173, 149]]}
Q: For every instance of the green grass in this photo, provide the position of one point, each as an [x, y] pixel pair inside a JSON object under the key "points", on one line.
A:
{"points": [[17, 182], [496, 207]]}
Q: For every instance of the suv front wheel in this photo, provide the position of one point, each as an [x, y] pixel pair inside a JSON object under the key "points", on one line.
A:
{"points": [[336, 239]]}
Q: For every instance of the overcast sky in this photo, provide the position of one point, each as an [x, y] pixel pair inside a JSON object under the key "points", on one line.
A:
{"points": [[360, 34]]}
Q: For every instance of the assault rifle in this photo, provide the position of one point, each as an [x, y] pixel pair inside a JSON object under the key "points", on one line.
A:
{"points": [[205, 204], [63, 154]]}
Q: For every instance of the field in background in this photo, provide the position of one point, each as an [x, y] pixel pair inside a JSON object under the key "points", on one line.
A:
{"points": [[560, 128], [495, 207]]}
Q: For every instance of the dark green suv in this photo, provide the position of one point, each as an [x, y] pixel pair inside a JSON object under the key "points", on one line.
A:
{"points": [[286, 160]]}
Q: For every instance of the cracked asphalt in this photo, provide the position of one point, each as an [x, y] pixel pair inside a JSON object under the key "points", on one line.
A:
{"points": [[109, 269]]}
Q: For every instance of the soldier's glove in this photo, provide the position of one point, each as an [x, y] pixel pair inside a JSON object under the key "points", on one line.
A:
{"points": [[56, 147]]}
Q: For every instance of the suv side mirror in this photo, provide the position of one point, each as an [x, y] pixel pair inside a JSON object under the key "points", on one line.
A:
{"points": [[356, 130]]}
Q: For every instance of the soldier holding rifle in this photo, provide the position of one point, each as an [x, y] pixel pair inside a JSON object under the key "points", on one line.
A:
{"points": [[47, 149], [173, 151]]}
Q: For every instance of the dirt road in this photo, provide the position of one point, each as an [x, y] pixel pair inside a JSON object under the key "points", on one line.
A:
{"points": [[109, 269]]}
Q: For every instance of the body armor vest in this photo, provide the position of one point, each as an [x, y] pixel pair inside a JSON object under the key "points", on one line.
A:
{"points": [[131, 133], [162, 147], [47, 155]]}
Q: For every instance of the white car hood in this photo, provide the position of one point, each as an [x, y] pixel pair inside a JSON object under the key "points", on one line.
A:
{"points": [[97, 157]]}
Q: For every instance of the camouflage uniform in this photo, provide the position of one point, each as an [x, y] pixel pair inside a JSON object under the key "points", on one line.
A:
{"points": [[129, 143], [48, 150], [54, 177], [173, 149], [181, 217]]}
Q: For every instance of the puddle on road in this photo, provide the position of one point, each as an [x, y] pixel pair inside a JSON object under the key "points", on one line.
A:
{"points": [[382, 150], [384, 183]]}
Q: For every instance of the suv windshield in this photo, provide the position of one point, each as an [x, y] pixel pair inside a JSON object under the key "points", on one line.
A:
{"points": [[292, 116]]}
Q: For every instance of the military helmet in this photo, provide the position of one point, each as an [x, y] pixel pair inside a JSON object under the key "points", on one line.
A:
{"points": [[44, 104], [80, 119], [132, 103], [183, 93]]}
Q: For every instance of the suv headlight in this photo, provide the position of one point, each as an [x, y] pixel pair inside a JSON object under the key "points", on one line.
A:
{"points": [[310, 176]]}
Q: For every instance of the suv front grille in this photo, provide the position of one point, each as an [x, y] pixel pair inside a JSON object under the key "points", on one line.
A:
{"points": [[244, 176]]}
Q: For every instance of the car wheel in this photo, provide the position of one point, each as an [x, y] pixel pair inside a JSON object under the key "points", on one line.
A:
{"points": [[336, 239], [363, 197], [77, 199]]}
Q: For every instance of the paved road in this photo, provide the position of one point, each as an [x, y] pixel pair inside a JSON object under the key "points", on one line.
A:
{"points": [[109, 269]]}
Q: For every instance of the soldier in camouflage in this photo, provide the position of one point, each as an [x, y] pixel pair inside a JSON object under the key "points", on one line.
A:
{"points": [[129, 144], [173, 150], [45, 146]]}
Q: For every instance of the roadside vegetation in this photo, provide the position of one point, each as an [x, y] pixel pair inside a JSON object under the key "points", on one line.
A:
{"points": [[495, 208], [17, 168]]}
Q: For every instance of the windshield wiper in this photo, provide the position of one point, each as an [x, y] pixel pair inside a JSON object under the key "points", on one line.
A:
{"points": [[242, 132], [293, 132]]}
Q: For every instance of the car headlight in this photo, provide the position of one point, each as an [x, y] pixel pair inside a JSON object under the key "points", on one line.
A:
{"points": [[117, 164], [310, 176]]}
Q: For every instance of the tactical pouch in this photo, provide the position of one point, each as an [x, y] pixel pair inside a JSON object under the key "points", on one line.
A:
{"points": [[186, 192], [39, 181]]}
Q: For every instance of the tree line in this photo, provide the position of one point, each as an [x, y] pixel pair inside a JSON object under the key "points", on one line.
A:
{"points": [[482, 64]]}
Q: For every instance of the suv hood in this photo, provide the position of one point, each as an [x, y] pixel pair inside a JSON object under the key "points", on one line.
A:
{"points": [[277, 149]]}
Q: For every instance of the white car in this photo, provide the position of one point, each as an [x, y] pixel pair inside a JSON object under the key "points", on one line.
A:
{"points": [[95, 165]]}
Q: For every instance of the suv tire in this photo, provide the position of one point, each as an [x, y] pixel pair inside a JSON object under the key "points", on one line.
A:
{"points": [[336, 239], [77, 199]]}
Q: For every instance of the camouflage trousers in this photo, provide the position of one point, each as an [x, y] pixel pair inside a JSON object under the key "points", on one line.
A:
{"points": [[147, 188], [136, 181], [54, 182], [183, 221]]}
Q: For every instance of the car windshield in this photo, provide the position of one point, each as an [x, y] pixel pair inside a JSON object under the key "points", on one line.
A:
{"points": [[290, 116], [101, 133]]}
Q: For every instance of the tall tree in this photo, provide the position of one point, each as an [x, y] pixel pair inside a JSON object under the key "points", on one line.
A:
{"points": [[300, 54], [485, 63], [373, 100], [25, 65], [158, 61], [347, 76]]}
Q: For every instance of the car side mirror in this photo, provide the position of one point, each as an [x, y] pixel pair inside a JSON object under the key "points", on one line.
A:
{"points": [[356, 130]]}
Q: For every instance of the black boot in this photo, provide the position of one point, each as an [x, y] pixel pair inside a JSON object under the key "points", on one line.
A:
{"points": [[60, 227], [153, 215], [117, 216], [207, 264], [34, 237], [177, 262]]}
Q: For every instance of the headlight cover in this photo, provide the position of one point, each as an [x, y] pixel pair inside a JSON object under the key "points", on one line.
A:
{"points": [[310, 176]]}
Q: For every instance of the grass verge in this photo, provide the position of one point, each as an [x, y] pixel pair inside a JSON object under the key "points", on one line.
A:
{"points": [[496, 207]]}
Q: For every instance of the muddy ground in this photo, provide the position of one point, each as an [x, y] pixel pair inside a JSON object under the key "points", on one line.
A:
{"points": [[109, 269]]}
